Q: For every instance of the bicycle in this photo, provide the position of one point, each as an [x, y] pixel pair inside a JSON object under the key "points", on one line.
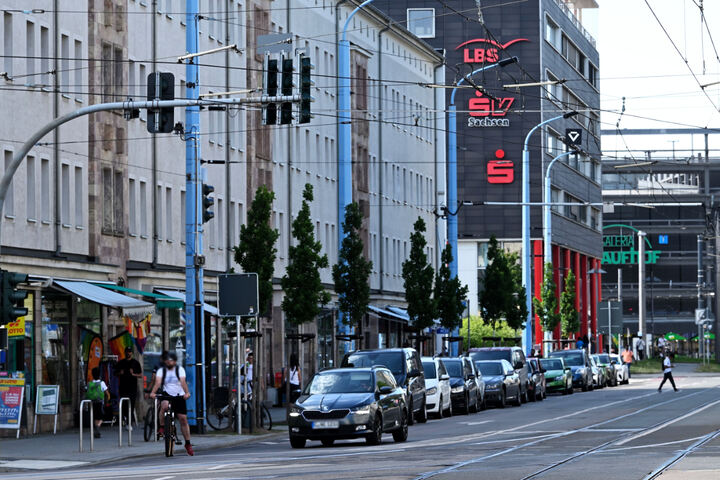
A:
{"points": [[222, 413], [170, 430]]}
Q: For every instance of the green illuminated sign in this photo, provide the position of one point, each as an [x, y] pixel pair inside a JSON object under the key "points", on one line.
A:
{"points": [[620, 249]]}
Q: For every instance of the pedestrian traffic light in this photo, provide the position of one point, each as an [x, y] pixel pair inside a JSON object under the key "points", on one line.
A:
{"points": [[160, 86], [271, 89], [13, 299], [286, 90], [306, 84], [207, 203]]}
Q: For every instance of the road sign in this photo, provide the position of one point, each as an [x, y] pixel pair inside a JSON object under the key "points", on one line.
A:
{"points": [[700, 315], [274, 43], [663, 239], [238, 295], [616, 317], [573, 136]]}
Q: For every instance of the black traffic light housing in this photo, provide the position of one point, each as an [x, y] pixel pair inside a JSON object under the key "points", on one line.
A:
{"points": [[271, 89], [12, 298], [161, 86], [287, 89], [207, 203], [306, 84]]}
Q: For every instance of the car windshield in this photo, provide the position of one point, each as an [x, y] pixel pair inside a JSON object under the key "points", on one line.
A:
{"points": [[489, 368], [551, 364], [391, 360], [603, 358], [491, 355], [571, 358], [341, 382], [454, 368], [429, 368]]}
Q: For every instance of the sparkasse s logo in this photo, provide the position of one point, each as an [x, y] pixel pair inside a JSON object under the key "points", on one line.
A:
{"points": [[500, 171]]}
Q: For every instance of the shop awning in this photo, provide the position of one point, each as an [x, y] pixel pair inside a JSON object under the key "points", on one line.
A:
{"points": [[181, 295], [161, 301], [129, 306]]}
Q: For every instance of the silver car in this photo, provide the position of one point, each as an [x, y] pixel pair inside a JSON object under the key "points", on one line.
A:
{"points": [[621, 369]]}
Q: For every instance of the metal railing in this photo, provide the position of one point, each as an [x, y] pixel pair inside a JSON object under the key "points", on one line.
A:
{"points": [[92, 424], [129, 424]]}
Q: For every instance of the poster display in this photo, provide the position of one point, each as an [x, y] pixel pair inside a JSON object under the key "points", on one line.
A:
{"points": [[12, 392], [47, 400]]}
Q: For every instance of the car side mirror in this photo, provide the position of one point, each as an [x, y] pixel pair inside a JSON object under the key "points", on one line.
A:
{"points": [[471, 376], [385, 390], [567, 369], [414, 373], [543, 370], [445, 377], [518, 365]]}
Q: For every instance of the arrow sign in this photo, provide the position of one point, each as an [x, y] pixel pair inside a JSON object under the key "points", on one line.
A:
{"points": [[573, 136]]}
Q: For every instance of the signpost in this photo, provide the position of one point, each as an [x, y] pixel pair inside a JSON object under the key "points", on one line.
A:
{"points": [[610, 314], [12, 393], [47, 401], [573, 136]]}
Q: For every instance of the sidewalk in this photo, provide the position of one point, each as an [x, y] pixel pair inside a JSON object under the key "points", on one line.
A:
{"points": [[47, 451]]}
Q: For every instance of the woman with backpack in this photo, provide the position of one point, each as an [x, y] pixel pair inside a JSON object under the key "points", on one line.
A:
{"points": [[97, 391]]}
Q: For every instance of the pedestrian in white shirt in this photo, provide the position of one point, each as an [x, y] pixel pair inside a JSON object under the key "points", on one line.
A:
{"points": [[667, 372]]}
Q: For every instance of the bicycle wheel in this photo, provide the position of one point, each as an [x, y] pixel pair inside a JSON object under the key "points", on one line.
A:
{"points": [[169, 435], [149, 425], [265, 418], [220, 418]]}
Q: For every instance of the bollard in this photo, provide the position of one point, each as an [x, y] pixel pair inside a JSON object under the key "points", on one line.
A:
{"points": [[92, 425], [120, 424]]}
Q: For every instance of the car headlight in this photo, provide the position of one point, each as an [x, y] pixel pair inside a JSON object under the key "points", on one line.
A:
{"points": [[432, 391], [559, 378], [295, 412], [459, 389], [362, 411]]}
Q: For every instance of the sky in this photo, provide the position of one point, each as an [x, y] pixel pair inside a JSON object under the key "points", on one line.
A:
{"points": [[639, 62]]}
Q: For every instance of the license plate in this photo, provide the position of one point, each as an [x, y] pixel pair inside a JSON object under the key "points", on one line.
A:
{"points": [[326, 424]]}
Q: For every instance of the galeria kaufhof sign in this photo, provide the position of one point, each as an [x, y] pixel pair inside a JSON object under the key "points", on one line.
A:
{"points": [[621, 248]]}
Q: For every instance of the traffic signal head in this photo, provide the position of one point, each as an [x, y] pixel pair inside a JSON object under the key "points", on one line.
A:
{"points": [[161, 86], [13, 299], [271, 86], [287, 76], [306, 84], [207, 203]]}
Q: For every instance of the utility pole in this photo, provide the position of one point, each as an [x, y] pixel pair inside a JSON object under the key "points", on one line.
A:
{"points": [[700, 299], [641, 287]]}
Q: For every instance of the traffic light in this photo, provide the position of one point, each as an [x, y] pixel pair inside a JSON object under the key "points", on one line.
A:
{"points": [[287, 89], [13, 299], [161, 86], [207, 203], [306, 84], [271, 89]]}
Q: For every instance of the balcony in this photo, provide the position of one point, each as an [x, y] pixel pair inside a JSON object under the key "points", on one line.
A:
{"points": [[579, 5]]}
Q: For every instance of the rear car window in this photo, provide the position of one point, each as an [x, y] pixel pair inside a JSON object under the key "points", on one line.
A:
{"points": [[429, 369]]}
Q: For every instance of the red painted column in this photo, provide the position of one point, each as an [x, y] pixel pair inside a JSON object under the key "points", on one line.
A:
{"points": [[594, 297], [584, 296], [558, 275], [579, 282], [538, 265]]}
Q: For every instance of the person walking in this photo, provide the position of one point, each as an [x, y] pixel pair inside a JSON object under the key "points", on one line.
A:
{"points": [[641, 349], [98, 392], [294, 378], [627, 358], [128, 371], [667, 372]]}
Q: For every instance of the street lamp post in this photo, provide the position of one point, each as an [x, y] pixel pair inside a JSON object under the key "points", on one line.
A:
{"points": [[452, 198], [526, 265], [548, 208]]}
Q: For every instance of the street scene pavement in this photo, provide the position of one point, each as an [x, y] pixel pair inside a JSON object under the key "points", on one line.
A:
{"points": [[629, 431]]}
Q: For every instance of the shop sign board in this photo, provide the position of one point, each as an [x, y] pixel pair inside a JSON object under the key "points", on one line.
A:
{"points": [[12, 391]]}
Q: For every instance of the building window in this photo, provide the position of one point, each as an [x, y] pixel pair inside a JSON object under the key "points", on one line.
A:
{"points": [[30, 188], [30, 48], [45, 56], [79, 204], [65, 63], [421, 22], [132, 207], [8, 43], [183, 210], [65, 189], [573, 55], [78, 65], [552, 33], [168, 215], [44, 190], [158, 201], [113, 202], [9, 196], [106, 72], [143, 209], [592, 75]]}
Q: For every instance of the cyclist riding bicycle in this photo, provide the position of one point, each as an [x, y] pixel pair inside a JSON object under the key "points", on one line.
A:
{"points": [[170, 382]]}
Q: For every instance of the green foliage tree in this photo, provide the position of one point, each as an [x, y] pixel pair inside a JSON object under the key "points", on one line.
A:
{"points": [[256, 251], [418, 275], [352, 272], [495, 298], [449, 293], [568, 314], [546, 306], [304, 291], [517, 313]]}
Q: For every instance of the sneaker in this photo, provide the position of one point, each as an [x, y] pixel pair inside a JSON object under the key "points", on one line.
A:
{"points": [[189, 449], [161, 432]]}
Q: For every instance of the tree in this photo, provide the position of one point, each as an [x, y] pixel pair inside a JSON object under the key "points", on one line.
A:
{"points": [[418, 275], [304, 291], [517, 313], [481, 334], [256, 251], [568, 314], [352, 272], [449, 293], [546, 305], [496, 296]]}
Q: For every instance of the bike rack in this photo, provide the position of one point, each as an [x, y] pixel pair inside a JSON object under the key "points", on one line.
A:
{"points": [[120, 424], [155, 436], [92, 424]]}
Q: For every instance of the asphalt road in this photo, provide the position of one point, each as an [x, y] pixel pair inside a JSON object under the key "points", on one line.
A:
{"points": [[624, 432]]}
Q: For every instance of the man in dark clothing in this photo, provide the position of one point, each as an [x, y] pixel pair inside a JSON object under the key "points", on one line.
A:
{"points": [[128, 371]]}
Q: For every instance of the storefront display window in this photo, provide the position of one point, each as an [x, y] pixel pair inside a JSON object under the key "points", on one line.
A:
{"points": [[55, 332]]}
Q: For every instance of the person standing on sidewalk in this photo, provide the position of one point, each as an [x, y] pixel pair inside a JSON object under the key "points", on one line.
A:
{"points": [[667, 372], [295, 378], [128, 371], [97, 391], [627, 358]]}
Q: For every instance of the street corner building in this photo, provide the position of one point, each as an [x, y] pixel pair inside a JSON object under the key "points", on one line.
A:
{"points": [[559, 60], [96, 212]]}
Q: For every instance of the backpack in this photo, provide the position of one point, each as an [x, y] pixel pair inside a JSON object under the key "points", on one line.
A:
{"points": [[94, 392]]}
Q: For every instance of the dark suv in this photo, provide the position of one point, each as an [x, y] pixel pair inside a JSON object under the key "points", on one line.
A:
{"points": [[515, 356], [406, 367]]}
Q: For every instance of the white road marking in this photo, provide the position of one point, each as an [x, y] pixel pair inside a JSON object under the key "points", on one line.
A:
{"points": [[165, 478], [475, 423], [40, 464], [651, 445], [616, 429]]}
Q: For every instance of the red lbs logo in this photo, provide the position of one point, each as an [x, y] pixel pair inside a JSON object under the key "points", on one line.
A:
{"points": [[500, 171], [486, 52]]}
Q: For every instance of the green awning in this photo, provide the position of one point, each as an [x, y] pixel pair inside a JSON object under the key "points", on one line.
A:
{"points": [[161, 301]]}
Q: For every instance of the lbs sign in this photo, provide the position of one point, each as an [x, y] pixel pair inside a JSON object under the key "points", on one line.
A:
{"points": [[484, 50]]}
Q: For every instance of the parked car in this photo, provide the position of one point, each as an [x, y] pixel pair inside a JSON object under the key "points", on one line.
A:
{"points": [[406, 366], [437, 387], [502, 383], [480, 381], [558, 377], [579, 363], [514, 356], [621, 369], [463, 389], [599, 378], [349, 403], [603, 361], [537, 380]]}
